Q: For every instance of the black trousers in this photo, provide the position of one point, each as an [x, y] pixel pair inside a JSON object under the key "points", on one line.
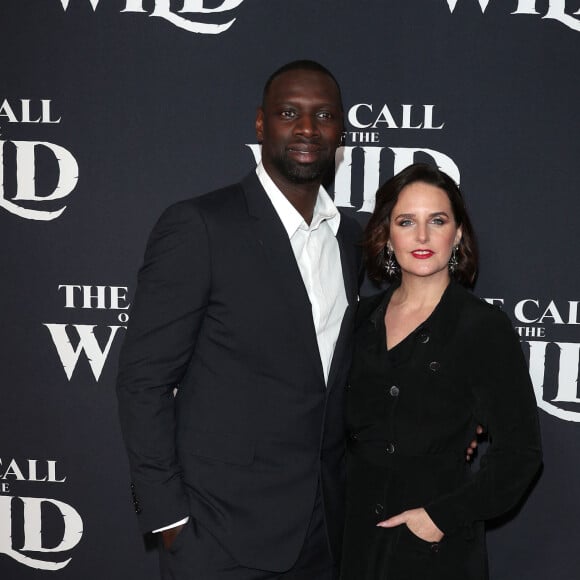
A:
{"points": [[196, 555]]}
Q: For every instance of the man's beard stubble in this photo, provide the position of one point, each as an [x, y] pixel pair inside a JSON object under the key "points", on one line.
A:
{"points": [[302, 173]]}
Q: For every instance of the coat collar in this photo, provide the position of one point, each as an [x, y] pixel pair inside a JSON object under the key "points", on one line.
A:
{"points": [[439, 326]]}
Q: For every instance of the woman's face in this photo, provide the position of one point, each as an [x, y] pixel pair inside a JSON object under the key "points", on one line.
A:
{"points": [[423, 231]]}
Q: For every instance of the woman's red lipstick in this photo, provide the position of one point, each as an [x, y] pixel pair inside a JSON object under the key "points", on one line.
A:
{"points": [[422, 254]]}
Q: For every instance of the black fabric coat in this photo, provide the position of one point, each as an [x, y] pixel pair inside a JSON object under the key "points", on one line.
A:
{"points": [[411, 412], [221, 311]]}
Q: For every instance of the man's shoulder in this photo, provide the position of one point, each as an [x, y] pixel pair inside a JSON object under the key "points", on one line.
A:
{"points": [[218, 202], [217, 198]]}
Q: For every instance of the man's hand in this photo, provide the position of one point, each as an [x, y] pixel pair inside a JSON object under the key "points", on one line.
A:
{"points": [[418, 522], [168, 536], [473, 444]]}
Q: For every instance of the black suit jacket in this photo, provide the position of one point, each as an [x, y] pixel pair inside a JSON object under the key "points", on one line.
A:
{"points": [[221, 311]]}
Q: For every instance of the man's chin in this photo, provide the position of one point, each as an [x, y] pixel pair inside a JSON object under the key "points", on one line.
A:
{"points": [[301, 177], [304, 173]]}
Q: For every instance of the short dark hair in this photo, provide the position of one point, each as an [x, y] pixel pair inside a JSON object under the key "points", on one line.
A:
{"points": [[377, 232], [311, 65]]}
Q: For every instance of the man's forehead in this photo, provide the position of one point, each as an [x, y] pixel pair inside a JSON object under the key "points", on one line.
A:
{"points": [[302, 75], [304, 84]]}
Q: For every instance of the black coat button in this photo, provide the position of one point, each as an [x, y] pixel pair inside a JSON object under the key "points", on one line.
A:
{"points": [[379, 509], [394, 391], [423, 337], [435, 547], [354, 436], [434, 366], [347, 387], [390, 448]]}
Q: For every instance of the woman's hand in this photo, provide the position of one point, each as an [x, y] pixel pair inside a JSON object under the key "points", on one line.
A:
{"points": [[418, 521], [472, 447]]}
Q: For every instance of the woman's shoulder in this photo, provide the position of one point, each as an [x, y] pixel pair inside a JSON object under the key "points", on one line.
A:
{"points": [[480, 313], [368, 305]]}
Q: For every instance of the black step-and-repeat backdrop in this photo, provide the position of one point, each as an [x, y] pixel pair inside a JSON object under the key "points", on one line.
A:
{"points": [[112, 109]]}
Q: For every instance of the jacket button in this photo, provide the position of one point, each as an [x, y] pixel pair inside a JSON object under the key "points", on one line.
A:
{"points": [[379, 509], [347, 387], [390, 448], [354, 436], [435, 548], [434, 366], [423, 337], [394, 391]]}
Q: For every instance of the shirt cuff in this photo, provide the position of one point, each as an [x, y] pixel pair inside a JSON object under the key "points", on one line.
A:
{"points": [[179, 523]]}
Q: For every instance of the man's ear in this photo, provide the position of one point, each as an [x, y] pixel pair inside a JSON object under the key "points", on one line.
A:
{"points": [[260, 124]]}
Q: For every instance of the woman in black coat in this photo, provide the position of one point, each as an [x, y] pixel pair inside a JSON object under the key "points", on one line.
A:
{"points": [[431, 362]]}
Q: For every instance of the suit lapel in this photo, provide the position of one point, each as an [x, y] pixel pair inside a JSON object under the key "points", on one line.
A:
{"points": [[349, 265], [350, 276], [281, 262]]}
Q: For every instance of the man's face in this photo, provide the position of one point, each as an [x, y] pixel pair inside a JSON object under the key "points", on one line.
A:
{"points": [[299, 126]]}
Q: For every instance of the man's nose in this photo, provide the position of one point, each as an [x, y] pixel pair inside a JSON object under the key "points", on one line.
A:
{"points": [[307, 125]]}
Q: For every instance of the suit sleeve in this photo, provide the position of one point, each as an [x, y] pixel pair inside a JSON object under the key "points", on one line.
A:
{"points": [[166, 315], [505, 405]]}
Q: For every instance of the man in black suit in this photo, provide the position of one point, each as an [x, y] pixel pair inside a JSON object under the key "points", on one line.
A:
{"points": [[244, 306]]}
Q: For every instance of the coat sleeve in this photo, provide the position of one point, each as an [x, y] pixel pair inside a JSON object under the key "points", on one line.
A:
{"points": [[505, 405], [166, 315]]}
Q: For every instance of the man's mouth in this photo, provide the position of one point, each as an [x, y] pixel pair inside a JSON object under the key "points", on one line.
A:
{"points": [[304, 152]]}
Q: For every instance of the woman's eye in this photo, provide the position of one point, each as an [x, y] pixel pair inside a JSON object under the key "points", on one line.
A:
{"points": [[405, 223], [438, 221]]}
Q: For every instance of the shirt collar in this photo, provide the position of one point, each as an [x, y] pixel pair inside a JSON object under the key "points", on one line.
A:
{"points": [[324, 210]]}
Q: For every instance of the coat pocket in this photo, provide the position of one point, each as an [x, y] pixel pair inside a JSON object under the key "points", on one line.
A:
{"points": [[411, 543], [225, 447]]}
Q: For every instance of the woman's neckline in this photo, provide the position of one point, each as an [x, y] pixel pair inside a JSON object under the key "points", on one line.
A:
{"points": [[412, 332]]}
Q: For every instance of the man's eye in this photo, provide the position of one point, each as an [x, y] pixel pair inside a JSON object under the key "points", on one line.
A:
{"points": [[324, 115], [288, 114]]}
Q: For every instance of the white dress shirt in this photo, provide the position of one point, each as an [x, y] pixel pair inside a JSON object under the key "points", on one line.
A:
{"points": [[317, 254]]}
